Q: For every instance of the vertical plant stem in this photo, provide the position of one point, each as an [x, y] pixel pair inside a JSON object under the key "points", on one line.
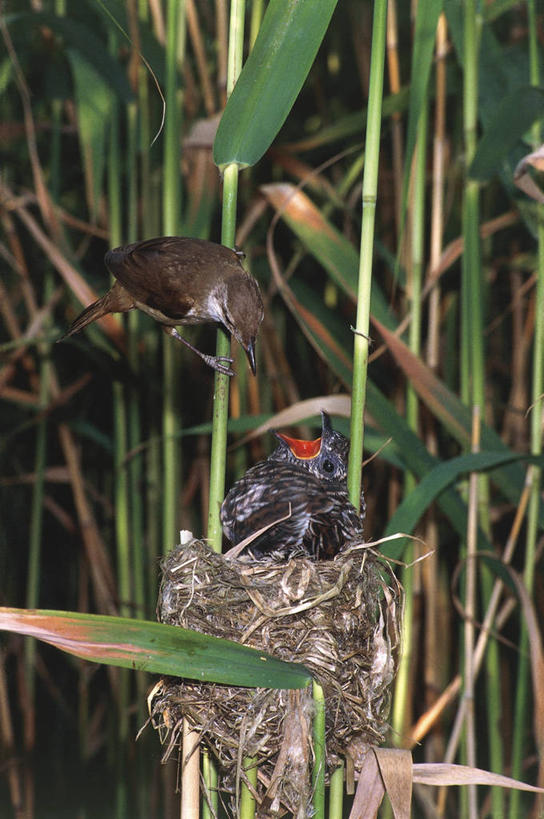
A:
{"points": [[470, 616], [257, 11], [221, 393], [171, 451], [134, 465], [473, 342], [396, 122], [221, 382], [228, 231], [370, 185], [150, 227], [521, 708], [402, 699], [122, 524], [122, 520], [336, 793], [318, 773], [36, 524], [209, 774], [190, 769], [247, 800], [434, 670]]}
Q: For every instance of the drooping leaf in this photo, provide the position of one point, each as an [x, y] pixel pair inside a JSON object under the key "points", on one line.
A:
{"points": [[155, 647], [325, 242], [414, 505], [454, 414]]}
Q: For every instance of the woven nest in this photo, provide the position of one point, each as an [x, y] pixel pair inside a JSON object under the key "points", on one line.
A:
{"points": [[339, 617]]}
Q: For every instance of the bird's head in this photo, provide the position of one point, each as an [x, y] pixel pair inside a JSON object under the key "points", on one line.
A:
{"points": [[326, 456], [243, 312]]}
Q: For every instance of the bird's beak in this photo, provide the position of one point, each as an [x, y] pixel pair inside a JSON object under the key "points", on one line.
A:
{"points": [[250, 352], [303, 450], [326, 425]]}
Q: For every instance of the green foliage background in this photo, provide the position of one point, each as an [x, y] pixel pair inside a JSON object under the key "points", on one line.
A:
{"points": [[106, 438]]}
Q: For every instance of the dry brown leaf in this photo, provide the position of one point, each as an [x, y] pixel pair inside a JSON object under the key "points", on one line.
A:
{"points": [[333, 404], [438, 773], [370, 790], [396, 770]]}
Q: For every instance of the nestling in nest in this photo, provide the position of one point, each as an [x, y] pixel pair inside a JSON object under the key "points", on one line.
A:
{"points": [[306, 589]]}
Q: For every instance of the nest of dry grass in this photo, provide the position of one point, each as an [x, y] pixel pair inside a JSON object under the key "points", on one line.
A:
{"points": [[340, 618]]}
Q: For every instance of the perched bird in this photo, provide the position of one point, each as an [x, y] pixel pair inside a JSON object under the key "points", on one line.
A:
{"points": [[300, 489], [179, 280]]}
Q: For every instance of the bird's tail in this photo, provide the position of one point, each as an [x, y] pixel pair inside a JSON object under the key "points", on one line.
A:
{"points": [[91, 313]]}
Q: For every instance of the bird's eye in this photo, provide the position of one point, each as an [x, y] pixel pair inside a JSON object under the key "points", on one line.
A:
{"points": [[328, 466]]}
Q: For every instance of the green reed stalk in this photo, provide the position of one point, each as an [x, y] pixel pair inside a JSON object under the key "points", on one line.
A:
{"points": [[320, 757], [257, 11], [370, 185], [40, 454], [362, 324], [36, 508], [134, 466], [523, 682], [209, 774], [474, 357], [336, 793], [221, 391], [417, 268], [228, 233], [122, 520], [121, 502], [247, 800], [171, 451], [150, 206], [134, 430], [221, 381]]}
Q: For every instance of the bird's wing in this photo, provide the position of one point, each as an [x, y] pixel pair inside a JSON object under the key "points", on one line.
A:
{"points": [[332, 522], [157, 273], [289, 498]]}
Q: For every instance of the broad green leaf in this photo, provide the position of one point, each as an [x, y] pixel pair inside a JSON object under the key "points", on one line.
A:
{"points": [[513, 117], [93, 100], [285, 48], [155, 647]]}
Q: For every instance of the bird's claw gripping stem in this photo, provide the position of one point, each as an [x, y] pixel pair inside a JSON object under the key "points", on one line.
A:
{"points": [[211, 360]]}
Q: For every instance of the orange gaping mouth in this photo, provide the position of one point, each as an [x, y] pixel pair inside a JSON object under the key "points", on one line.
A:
{"points": [[301, 449]]}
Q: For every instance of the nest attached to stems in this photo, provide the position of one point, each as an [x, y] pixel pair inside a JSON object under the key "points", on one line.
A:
{"points": [[339, 617]]}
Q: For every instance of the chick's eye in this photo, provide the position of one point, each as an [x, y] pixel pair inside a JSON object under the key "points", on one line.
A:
{"points": [[328, 466]]}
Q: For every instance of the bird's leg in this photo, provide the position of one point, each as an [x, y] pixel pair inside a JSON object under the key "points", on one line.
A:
{"points": [[215, 362]]}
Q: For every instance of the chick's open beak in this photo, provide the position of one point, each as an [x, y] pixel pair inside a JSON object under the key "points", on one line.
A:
{"points": [[301, 449]]}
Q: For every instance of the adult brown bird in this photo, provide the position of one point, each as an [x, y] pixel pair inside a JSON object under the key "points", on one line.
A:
{"points": [[300, 490], [179, 280]]}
